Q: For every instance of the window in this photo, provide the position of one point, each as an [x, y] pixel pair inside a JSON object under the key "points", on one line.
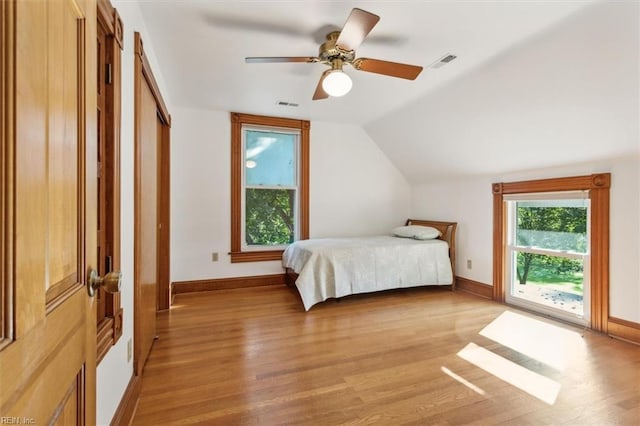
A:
{"points": [[269, 186], [596, 252], [547, 251]]}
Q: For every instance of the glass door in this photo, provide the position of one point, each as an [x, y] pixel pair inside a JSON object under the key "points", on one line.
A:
{"points": [[548, 254]]}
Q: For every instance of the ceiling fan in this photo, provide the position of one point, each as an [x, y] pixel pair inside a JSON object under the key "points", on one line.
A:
{"points": [[339, 49]]}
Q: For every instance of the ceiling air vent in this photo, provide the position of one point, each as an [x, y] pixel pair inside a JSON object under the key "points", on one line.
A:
{"points": [[443, 61], [285, 103]]}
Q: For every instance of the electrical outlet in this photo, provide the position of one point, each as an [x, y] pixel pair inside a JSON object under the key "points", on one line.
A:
{"points": [[468, 263], [129, 350], [214, 256]]}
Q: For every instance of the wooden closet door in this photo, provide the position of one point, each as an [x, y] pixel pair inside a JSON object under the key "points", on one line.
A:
{"points": [[47, 341], [147, 225]]}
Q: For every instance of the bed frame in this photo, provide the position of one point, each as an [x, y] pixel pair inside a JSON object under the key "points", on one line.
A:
{"points": [[447, 233]]}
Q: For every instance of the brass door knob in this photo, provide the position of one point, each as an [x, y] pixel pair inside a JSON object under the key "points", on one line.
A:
{"points": [[110, 282]]}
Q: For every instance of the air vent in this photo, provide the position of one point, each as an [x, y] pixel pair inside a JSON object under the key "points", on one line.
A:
{"points": [[285, 103], [443, 61]]}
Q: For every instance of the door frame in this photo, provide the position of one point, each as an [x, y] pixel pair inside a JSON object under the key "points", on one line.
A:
{"points": [[110, 329], [144, 75], [598, 186]]}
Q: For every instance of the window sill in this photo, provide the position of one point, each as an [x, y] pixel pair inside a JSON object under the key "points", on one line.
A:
{"points": [[255, 256]]}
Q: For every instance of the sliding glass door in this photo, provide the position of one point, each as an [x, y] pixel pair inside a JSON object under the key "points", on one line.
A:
{"points": [[548, 254]]}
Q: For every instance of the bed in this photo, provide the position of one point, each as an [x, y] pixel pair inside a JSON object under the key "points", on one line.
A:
{"points": [[325, 268]]}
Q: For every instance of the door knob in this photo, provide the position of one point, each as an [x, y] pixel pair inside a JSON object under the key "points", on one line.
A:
{"points": [[110, 282]]}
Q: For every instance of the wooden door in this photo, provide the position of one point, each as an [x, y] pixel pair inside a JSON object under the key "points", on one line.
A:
{"points": [[151, 203], [146, 225], [48, 193]]}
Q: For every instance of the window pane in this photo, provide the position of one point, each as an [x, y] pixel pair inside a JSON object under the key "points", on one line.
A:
{"points": [[270, 158], [549, 280], [269, 216], [543, 269], [553, 225]]}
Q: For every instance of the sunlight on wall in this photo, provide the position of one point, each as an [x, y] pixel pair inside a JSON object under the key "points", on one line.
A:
{"points": [[534, 384], [555, 346]]}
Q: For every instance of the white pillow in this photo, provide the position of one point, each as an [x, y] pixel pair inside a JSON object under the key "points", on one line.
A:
{"points": [[417, 232]]}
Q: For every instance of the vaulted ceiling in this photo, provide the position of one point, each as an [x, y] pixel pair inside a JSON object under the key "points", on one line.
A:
{"points": [[530, 76], [201, 46]]}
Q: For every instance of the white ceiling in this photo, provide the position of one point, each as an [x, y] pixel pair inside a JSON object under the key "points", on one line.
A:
{"points": [[201, 46]]}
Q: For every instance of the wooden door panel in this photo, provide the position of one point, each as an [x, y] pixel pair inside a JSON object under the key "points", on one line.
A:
{"points": [[43, 361], [31, 160], [70, 410], [47, 365], [148, 223], [63, 148]]}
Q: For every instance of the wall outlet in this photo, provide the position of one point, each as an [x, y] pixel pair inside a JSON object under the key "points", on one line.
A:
{"points": [[129, 350], [469, 264], [214, 256]]}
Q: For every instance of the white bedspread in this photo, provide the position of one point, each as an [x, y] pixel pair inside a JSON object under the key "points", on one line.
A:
{"points": [[336, 267]]}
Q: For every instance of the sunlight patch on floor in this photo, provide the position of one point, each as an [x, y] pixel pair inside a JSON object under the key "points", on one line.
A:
{"points": [[552, 345], [534, 384], [462, 380]]}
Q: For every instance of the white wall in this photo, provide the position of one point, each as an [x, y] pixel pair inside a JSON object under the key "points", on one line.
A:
{"points": [[469, 202], [114, 371], [571, 91], [565, 102], [354, 190]]}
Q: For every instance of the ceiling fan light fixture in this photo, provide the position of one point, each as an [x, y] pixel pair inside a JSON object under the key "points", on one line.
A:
{"points": [[339, 49], [337, 83]]}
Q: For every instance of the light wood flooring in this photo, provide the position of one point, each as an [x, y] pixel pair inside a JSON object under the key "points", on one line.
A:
{"points": [[423, 356]]}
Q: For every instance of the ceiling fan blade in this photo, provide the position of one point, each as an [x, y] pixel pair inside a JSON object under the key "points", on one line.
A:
{"points": [[320, 93], [393, 69], [358, 25], [277, 59]]}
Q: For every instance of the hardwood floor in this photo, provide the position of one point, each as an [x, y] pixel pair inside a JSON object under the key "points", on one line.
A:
{"points": [[422, 356]]}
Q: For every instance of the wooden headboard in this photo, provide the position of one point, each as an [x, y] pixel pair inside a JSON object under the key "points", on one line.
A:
{"points": [[448, 234]]}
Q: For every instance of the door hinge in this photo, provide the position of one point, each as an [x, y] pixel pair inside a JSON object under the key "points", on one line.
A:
{"points": [[108, 77], [99, 170]]}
